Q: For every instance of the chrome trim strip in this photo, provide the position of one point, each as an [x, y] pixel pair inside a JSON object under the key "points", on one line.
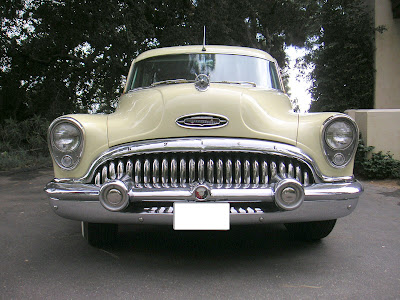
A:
{"points": [[204, 145], [315, 192], [309, 211]]}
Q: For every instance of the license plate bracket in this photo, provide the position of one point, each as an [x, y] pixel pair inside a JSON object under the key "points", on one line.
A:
{"points": [[201, 216]]}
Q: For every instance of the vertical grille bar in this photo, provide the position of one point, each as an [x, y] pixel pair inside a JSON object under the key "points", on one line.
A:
{"points": [[256, 173], [104, 174], [264, 173], [129, 168], [200, 168], [298, 174], [192, 171], [228, 171], [138, 173], [164, 172], [97, 179], [156, 172], [274, 171], [282, 170], [220, 172], [238, 172], [306, 179], [111, 170], [174, 173], [120, 169], [182, 172], [210, 171], [290, 170], [146, 173], [246, 173]]}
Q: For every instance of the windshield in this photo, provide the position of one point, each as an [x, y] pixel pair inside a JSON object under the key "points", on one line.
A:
{"points": [[223, 68]]}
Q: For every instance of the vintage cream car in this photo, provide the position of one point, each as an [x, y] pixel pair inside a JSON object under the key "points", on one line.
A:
{"points": [[203, 137]]}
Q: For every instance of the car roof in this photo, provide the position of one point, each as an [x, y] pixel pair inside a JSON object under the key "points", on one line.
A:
{"points": [[212, 49]]}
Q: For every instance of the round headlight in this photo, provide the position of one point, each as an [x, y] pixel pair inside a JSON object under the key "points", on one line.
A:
{"points": [[66, 142], [339, 135], [339, 140], [66, 137]]}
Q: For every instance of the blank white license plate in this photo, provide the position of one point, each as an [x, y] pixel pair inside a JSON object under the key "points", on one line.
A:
{"points": [[201, 216]]}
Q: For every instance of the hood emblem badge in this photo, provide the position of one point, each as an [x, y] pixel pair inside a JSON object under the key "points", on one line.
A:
{"points": [[202, 82], [202, 121]]}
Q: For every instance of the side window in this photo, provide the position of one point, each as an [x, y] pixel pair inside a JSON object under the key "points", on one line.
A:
{"points": [[274, 76]]}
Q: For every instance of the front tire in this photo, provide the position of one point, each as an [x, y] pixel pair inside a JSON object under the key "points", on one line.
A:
{"points": [[311, 231], [99, 235]]}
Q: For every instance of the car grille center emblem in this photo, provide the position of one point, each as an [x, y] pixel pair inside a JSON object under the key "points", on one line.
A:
{"points": [[202, 121], [202, 192], [202, 82]]}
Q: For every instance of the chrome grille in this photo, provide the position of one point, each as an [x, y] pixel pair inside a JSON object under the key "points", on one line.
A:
{"points": [[222, 170], [233, 210]]}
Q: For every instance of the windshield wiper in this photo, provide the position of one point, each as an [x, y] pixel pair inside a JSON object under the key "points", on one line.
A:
{"points": [[171, 81], [236, 82]]}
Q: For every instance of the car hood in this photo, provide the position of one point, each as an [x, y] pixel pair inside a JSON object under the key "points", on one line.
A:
{"points": [[252, 113]]}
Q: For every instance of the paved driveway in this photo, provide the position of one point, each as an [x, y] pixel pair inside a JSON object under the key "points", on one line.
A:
{"points": [[44, 257]]}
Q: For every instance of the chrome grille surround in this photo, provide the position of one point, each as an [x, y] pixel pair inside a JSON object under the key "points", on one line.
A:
{"points": [[231, 169], [219, 156]]}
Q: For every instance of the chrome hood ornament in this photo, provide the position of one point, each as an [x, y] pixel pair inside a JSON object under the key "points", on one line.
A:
{"points": [[202, 82], [202, 121]]}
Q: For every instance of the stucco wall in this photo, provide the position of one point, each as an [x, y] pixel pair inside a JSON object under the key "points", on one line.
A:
{"points": [[379, 128], [387, 57]]}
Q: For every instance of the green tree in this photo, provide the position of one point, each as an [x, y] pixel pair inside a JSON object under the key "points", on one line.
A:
{"points": [[71, 56], [66, 56], [342, 53]]}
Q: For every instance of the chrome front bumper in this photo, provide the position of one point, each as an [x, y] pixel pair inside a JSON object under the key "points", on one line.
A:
{"points": [[322, 201]]}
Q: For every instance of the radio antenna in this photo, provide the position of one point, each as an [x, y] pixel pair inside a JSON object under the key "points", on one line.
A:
{"points": [[204, 39]]}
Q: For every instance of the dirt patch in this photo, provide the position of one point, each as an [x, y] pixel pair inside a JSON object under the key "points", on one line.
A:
{"points": [[24, 174], [388, 183]]}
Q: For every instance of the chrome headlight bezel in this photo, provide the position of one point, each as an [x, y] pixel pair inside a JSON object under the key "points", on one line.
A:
{"points": [[340, 156], [66, 159]]}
